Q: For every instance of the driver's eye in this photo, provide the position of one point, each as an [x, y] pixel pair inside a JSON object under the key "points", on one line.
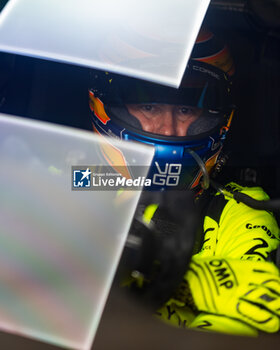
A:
{"points": [[147, 107], [186, 110]]}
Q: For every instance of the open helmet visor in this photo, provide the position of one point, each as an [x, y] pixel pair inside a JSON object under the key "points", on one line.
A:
{"points": [[204, 88]]}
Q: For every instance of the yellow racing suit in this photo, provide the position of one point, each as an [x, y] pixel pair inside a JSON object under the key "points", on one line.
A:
{"points": [[235, 232]]}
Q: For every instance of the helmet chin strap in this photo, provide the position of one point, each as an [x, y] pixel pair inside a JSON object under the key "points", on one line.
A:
{"points": [[272, 204], [206, 179]]}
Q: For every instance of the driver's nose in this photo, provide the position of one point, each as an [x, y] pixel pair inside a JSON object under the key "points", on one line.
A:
{"points": [[166, 125]]}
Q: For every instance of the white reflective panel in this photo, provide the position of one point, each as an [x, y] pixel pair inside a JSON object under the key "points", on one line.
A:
{"points": [[59, 248], [149, 39]]}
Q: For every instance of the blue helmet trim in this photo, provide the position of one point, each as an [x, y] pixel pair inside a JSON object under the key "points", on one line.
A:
{"points": [[173, 167]]}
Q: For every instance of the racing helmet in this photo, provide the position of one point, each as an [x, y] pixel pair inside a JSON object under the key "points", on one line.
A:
{"points": [[199, 114]]}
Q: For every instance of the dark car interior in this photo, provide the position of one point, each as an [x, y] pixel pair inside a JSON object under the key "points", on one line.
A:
{"points": [[57, 93]]}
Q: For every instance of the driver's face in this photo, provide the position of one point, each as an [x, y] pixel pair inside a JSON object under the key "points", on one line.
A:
{"points": [[164, 119]]}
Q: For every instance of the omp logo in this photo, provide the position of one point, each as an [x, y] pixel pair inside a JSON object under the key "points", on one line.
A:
{"points": [[167, 175], [222, 273]]}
